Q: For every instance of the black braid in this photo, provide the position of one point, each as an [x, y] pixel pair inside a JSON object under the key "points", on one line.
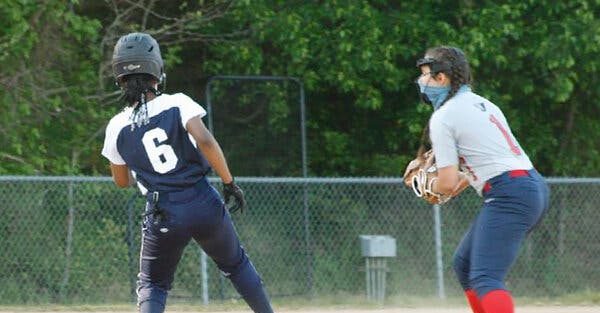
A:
{"points": [[425, 141], [135, 87]]}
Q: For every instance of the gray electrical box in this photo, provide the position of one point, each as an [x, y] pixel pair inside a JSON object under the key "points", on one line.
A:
{"points": [[377, 246]]}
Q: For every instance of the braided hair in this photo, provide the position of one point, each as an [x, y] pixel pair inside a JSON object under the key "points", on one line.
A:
{"points": [[135, 87]]}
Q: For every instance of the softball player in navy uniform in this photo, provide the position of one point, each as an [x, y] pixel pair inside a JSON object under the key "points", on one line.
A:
{"points": [[470, 133], [161, 139]]}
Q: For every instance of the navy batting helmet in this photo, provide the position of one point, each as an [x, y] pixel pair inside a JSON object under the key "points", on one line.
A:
{"points": [[137, 53]]}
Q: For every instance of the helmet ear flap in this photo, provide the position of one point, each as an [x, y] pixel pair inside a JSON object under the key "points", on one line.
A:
{"points": [[162, 81]]}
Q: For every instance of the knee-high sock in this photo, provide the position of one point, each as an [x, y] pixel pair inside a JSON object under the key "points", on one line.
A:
{"points": [[498, 301], [474, 301]]}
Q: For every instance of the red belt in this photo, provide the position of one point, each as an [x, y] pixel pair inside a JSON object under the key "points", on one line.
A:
{"points": [[512, 174]]}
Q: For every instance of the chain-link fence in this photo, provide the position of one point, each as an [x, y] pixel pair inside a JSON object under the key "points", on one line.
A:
{"points": [[76, 239], [259, 118]]}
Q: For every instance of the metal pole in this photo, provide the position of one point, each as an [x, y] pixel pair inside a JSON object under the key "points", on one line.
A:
{"points": [[367, 277], [306, 212], [209, 107], [383, 278], [372, 280], [130, 246], [204, 277], [438, 251], [69, 243], [303, 129], [378, 280]]}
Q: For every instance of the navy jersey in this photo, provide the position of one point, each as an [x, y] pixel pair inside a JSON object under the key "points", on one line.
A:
{"points": [[162, 154]]}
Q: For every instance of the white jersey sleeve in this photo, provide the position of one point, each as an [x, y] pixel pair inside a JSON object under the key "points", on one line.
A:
{"points": [[443, 140], [110, 150], [188, 108]]}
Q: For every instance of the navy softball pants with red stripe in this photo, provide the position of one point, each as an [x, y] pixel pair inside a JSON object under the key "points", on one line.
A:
{"points": [[513, 204]]}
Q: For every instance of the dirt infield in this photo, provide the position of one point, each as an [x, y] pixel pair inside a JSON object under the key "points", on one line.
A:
{"points": [[545, 309], [525, 309], [533, 309]]}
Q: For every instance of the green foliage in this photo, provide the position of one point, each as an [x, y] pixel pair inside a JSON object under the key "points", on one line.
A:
{"points": [[356, 60], [49, 72], [535, 59]]}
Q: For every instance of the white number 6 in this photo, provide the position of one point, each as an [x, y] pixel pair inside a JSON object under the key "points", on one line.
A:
{"points": [[162, 157]]}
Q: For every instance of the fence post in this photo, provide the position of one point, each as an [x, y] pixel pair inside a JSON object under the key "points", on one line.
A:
{"points": [[438, 251], [204, 276], [130, 245], [306, 213], [69, 243]]}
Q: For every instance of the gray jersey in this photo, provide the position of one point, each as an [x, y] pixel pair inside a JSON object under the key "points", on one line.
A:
{"points": [[471, 132]]}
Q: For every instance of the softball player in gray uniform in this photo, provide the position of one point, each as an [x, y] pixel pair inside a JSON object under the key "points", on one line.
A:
{"points": [[469, 132], [163, 140]]}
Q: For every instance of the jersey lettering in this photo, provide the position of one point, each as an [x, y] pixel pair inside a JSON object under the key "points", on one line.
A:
{"points": [[513, 147], [162, 157]]}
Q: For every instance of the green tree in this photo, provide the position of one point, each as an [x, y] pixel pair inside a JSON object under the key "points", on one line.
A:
{"points": [[535, 59], [49, 79]]}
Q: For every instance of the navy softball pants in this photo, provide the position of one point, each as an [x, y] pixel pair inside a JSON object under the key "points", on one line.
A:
{"points": [[514, 202], [196, 213]]}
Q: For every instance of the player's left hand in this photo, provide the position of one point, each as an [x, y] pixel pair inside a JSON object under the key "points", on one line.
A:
{"points": [[420, 174], [234, 197]]}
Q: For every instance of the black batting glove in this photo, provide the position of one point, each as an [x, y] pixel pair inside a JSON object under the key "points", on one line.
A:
{"points": [[234, 197]]}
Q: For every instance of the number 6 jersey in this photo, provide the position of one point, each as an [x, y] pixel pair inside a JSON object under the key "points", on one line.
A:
{"points": [[162, 154], [471, 132]]}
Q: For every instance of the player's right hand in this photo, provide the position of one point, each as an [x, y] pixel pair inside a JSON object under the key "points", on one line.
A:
{"points": [[234, 197]]}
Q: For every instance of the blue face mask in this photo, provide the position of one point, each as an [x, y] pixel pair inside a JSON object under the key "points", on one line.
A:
{"points": [[433, 95]]}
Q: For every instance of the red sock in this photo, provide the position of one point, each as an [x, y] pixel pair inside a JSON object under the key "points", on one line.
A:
{"points": [[473, 301], [498, 301]]}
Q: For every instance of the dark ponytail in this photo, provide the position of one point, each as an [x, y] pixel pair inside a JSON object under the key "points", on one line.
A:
{"points": [[135, 88]]}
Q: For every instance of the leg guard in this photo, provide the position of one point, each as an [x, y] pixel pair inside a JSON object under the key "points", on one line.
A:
{"points": [[151, 299], [248, 284]]}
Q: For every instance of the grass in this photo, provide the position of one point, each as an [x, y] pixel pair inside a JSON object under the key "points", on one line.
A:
{"points": [[332, 302]]}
